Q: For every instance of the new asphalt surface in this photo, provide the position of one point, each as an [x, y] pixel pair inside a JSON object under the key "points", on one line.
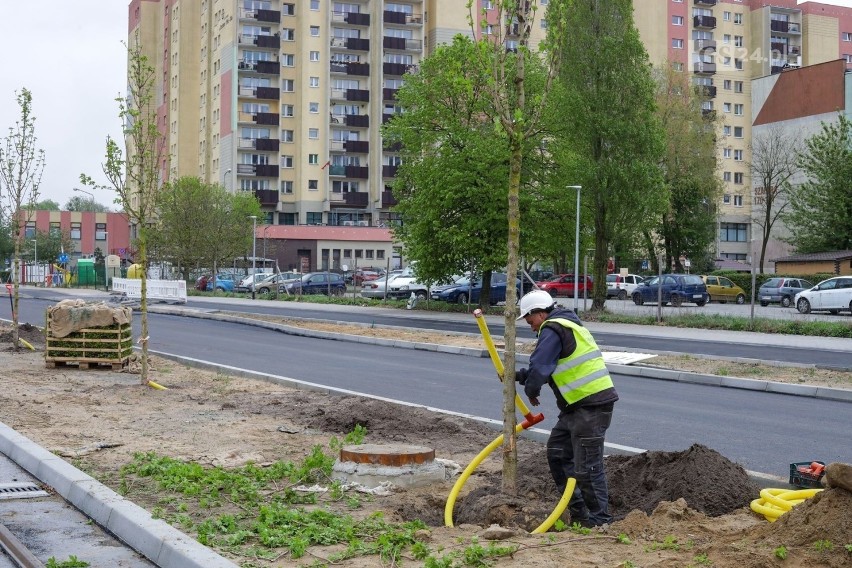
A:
{"points": [[167, 547]]}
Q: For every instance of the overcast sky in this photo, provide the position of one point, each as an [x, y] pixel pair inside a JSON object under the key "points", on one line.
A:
{"points": [[70, 55]]}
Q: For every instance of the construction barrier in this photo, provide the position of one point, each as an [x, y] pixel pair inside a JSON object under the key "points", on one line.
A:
{"points": [[163, 290]]}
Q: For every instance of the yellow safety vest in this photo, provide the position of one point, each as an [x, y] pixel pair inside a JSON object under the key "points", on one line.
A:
{"points": [[583, 373]]}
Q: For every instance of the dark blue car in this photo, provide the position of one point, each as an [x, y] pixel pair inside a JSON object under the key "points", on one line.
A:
{"points": [[316, 283], [461, 290], [677, 289]]}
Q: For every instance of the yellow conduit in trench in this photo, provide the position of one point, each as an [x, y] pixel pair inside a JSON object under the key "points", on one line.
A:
{"points": [[774, 502], [529, 420]]}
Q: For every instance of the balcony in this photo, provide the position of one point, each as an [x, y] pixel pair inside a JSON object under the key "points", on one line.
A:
{"points": [[704, 68], [779, 47], [402, 44], [350, 43], [784, 27], [337, 170], [269, 118], [357, 120], [389, 171], [388, 200], [358, 146], [389, 94], [261, 144], [705, 2], [258, 170], [707, 22], [269, 93], [351, 18], [263, 67], [359, 95], [268, 41], [267, 197], [361, 69], [356, 198], [387, 117], [705, 44], [271, 16], [706, 90], [398, 69], [392, 17]]}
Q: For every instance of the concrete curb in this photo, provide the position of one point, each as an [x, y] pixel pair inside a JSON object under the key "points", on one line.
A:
{"points": [[155, 539], [639, 370]]}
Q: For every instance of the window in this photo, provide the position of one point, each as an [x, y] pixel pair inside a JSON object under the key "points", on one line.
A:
{"points": [[738, 109], [726, 16], [314, 218], [313, 107], [677, 43], [288, 9], [286, 161], [287, 110], [738, 201], [30, 230], [738, 155], [315, 5], [726, 153], [313, 133], [738, 178], [726, 60], [100, 231], [313, 159], [738, 64], [738, 86], [733, 232], [313, 184], [727, 85], [677, 20], [314, 82], [286, 218], [314, 31], [288, 34], [288, 60], [75, 231], [726, 176], [287, 136], [55, 229], [286, 186], [738, 18], [726, 38], [315, 56], [726, 199], [738, 131], [288, 85], [726, 130], [738, 41], [726, 107], [677, 66], [847, 57], [846, 36]]}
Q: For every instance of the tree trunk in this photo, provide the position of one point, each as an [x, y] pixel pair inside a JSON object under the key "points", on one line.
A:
{"points": [[143, 309]]}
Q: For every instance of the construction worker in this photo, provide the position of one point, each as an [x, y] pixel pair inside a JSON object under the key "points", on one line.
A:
{"points": [[567, 358]]}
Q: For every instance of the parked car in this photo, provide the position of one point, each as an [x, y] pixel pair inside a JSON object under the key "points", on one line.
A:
{"points": [[377, 288], [563, 285], [403, 285], [462, 290], [832, 295], [245, 283], [622, 287], [225, 282], [201, 282], [722, 290], [274, 282], [361, 275], [781, 290], [317, 283], [676, 290]]}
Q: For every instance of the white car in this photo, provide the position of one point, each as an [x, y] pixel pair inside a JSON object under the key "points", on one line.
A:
{"points": [[622, 287], [403, 285], [245, 284], [832, 295]]}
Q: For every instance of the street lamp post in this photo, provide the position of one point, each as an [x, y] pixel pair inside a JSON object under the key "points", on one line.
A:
{"points": [[577, 247], [253, 251], [35, 259], [89, 193], [106, 260]]}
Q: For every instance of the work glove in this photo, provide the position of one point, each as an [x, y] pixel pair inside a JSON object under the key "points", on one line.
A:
{"points": [[532, 394], [521, 375]]}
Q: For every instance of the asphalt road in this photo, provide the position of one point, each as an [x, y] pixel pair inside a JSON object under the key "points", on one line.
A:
{"points": [[762, 431]]}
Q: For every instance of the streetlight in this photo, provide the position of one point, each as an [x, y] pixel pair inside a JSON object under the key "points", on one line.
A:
{"points": [[106, 260], [226, 176], [35, 259], [577, 247], [91, 196], [253, 250]]}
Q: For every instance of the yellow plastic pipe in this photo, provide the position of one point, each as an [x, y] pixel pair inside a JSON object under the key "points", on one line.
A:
{"points": [[774, 502], [154, 385]]}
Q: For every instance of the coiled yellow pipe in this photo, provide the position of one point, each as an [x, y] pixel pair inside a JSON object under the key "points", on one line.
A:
{"points": [[774, 502]]}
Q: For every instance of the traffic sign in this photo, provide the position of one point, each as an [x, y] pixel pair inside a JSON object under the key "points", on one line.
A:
{"points": [[122, 251], [63, 258], [646, 265]]}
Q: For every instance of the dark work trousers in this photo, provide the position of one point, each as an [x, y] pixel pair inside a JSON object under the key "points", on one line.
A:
{"points": [[576, 449]]}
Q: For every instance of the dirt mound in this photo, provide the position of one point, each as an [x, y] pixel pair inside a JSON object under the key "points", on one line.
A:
{"points": [[709, 482], [826, 516], [29, 333]]}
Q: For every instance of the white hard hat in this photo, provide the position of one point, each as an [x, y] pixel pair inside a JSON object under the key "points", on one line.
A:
{"points": [[535, 300]]}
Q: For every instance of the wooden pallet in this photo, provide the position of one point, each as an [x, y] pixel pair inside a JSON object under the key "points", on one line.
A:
{"points": [[85, 363]]}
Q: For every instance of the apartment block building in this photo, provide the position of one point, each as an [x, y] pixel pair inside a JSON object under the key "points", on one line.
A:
{"points": [[725, 45], [286, 98]]}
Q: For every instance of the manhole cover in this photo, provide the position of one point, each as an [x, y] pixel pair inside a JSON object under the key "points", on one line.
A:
{"points": [[21, 491]]}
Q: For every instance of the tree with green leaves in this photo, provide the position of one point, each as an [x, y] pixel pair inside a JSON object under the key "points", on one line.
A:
{"points": [[78, 203], [47, 205], [610, 141], [21, 167], [774, 162], [202, 224], [687, 226], [135, 172], [50, 245], [820, 211]]}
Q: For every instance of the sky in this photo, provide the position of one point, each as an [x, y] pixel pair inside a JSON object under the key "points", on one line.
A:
{"points": [[71, 57]]}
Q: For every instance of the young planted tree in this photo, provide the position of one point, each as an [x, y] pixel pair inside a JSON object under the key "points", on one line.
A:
{"points": [[686, 227], [774, 156], [21, 166], [820, 211], [610, 141], [136, 173]]}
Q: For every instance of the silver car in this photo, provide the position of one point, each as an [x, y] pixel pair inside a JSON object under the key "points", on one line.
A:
{"points": [[376, 288]]}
